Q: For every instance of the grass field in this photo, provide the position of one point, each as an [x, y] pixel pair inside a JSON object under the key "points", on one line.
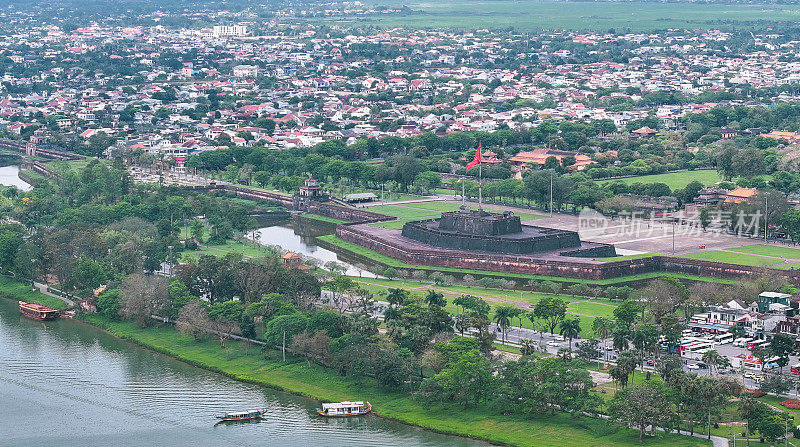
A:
{"points": [[674, 180], [768, 250], [252, 365], [773, 256], [323, 218], [548, 15], [732, 258], [585, 308]]}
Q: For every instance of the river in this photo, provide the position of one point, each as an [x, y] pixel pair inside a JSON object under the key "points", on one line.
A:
{"points": [[65, 383], [9, 176]]}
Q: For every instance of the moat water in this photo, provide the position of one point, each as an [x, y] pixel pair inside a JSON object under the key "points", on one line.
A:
{"points": [[65, 383], [299, 235], [9, 176]]}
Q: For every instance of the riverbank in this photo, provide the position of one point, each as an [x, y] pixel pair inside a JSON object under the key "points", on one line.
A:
{"points": [[247, 363], [15, 290]]}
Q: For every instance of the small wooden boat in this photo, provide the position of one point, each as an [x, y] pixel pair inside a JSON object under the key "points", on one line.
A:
{"points": [[37, 311], [241, 415], [344, 409]]}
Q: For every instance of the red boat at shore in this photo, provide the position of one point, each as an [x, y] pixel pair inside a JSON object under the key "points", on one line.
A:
{"points": [[37, 311]]}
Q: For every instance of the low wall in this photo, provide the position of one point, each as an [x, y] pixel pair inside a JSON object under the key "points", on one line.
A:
{"points": [[570, 269], [354, 215], [257, 195], [321, 208]]}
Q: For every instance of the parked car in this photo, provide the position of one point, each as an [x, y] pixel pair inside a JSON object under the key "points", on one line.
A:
{"points": [[692, 366]]}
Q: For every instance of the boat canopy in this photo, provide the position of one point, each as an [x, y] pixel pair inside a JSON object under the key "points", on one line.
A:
{"points": [[239, 414], [341, 405]]}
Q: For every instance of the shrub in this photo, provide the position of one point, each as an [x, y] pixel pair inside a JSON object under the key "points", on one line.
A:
{"points": [[390, 272], [791, 403]]}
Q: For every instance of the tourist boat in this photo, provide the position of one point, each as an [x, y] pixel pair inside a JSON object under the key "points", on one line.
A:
{"points": [[37, 311], [344, 409], [241, 415]]}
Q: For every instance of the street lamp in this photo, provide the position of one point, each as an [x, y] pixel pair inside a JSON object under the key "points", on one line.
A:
{"points": [[170, 260]]}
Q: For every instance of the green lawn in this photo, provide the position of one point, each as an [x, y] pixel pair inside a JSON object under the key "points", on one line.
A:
{"points": [[732, 258], [247, 250], [323, 218], [536, 15], [626, 257], [253, 366], [389, 261], [674, 180], [587, 307], [12, 289], [768, 250]]}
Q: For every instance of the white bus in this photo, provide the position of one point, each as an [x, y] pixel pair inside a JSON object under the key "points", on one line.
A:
{"points": [[723, 339], [741, 342]]}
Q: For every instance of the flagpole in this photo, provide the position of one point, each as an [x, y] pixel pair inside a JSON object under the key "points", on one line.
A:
{"points": [[480, 184], [463, 196]]}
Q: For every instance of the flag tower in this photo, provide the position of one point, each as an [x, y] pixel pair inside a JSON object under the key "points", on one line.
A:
{"points": [[477, 161]]}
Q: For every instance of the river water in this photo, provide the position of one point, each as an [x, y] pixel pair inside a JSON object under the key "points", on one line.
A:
{"points": [[64, 383], [9, 176]]}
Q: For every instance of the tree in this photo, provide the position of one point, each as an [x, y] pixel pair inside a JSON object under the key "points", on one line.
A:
{"points": [[502, 316], [627, 363], [713, 359], [603, 327], [427, 181], [588, 349], [551, 310], [466, 378], [570, 328], [705, 218], [776, 384], [193, 320], [434, 298], [782, 346], [642, 406], [663, 296], [108, 303], [627, 312], [284, 327], [225, 317], [390, 273], [142, 297], [396, 296], [312, 347], [748, 409]]}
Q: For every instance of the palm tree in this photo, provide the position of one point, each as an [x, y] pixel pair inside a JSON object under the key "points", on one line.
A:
{"points": [[502, 316], [527, 347], [516, 312], [434, 298], [620, 338], [396, 297], [603, 328], [570, 328], [747, 406], [711, 358]]}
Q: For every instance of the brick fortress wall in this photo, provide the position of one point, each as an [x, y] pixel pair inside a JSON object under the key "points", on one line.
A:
{"points": [[571, 269]]}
